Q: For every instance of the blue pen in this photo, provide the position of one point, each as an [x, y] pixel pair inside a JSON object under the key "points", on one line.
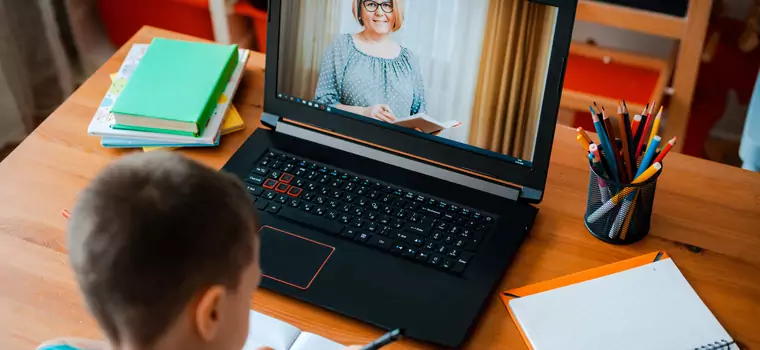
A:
{"points": [[609, 158]]}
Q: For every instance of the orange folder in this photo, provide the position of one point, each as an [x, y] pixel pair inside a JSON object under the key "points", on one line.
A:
{"points": [[578, 277]]}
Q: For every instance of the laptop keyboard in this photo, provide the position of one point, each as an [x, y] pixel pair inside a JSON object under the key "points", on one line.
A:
{"points": [[404, 223]]}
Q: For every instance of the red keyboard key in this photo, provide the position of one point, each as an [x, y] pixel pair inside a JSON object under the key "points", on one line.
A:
{"points": [[282, 187], [286, 178], [270, 183], [295, 191]]}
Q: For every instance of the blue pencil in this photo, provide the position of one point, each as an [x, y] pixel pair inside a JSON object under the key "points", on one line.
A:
{"points": [[649, 155], [609, 157]]}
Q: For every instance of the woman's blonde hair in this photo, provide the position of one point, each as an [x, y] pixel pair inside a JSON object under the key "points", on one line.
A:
{"points": [[398, 13]]}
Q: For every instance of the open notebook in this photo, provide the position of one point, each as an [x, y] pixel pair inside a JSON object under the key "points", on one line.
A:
{"points": [[650, 306], [278, 335]]}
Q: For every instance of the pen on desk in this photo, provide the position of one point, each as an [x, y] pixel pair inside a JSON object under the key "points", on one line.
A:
{"points": [[66, 214], [665, 150], [386, 339]]}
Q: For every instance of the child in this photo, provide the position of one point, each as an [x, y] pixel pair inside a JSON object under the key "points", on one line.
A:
{"points": [[165, 251]]}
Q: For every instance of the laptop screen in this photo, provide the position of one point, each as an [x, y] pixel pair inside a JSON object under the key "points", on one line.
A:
{"points": [[468, 73]]}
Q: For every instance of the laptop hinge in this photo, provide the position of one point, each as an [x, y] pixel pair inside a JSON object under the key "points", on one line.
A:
{"points": [[325, 139]]}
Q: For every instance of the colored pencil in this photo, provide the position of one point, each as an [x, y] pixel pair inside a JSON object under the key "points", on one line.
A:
{"points": [[665, 150], [655, 126], [616, 199], [625, 136], [615, 149], [642, 138], [582, 142], [635, 125], [609, 158], [649, 155], [66, 214], [584, 135]]}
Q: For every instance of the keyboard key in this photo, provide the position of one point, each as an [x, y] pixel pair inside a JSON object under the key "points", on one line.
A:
{"points": [[270, 183], [294, 192], [323, 170], [265, 162], [260, 170], [388, 189], [441, 249], [332, 215], [384, 219], [453, 253], [417, 229], [271, 154], [374, 206], [283, 157], [401, 236], [320, 200], [262, 204], [435, 260], [395, 223], [333, 203], [380, 242], [349, 187], [464, 212], [398, 249], [312, 187], [459, 266], [333, 172], [311, 175], [447, 264], [308, 207], [422, 256], [409, 253], [299, 183], [282, 187], [365, 183], [362, 237], [376, 185], [398, 192], [442, 205], [336, 194], [310, 220], [418, 241], [282, 199], [370, 215], [337, 183], [431, 202], [357, 211], [275, 174], [344, 176], [419, 198], [273, 208], [324, 190], [401, 214], [465, 257], [477, 216], [470, 223], [388, 210], [371, 227], [374, 194], [346, 208], [448, 239], [300, 172], [386, 199], [320, 211], [288, 168], [453, 208], [413, 206], [448, 217], [312, 166], [430, 211], [409, 195], [323, 179], [362, 202], [431, 246], [358, 222], [349, 198], [255, 179], [349, 233], [440, 225], [361, 191], [269, 195], [437, 235], [254, 190], [460, 243], [466, 233], [294, 203], [488, 219], [355, 179], [345, 218], [384, 230], [286, 178]]}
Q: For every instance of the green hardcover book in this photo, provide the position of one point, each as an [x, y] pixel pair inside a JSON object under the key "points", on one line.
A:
{"points": [[175, 87]]}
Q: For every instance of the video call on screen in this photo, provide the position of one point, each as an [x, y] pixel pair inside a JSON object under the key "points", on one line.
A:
{"points": [[477, 68]]}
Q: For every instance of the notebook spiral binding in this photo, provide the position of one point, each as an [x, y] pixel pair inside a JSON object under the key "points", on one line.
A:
{"points": [[718, 345]]}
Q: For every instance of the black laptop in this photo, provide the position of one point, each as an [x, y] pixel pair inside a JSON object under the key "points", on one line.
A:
{"points": [[408, 142]]}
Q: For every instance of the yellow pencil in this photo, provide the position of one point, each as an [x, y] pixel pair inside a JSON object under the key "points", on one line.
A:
{"points": [[655, 126], [627, 222], [582, 142], [584, 135]]}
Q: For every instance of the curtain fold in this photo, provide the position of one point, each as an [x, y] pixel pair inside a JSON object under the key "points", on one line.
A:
{"points": [[512, 76]]}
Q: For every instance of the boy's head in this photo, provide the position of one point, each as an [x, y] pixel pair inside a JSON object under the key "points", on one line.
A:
{"points": [[165, 251]]}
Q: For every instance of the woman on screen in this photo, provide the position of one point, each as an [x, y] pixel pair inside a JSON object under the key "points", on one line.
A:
{"points": [[367, 73]]}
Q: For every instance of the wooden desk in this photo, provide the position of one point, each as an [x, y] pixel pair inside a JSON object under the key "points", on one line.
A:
{"points": [[704, 204]]}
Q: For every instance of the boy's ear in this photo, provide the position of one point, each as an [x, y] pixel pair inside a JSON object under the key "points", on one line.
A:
{"points": [[208, 312]]}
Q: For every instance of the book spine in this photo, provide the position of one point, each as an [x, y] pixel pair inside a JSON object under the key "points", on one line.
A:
{"points": [[221, 83]]}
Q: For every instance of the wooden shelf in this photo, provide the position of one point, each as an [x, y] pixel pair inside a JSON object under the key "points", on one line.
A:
{"points": [[631, 19]]}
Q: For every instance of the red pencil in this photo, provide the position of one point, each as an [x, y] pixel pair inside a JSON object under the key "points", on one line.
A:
{"points": [[65, 213], [665, 150], [635, 125], [645, 132]]}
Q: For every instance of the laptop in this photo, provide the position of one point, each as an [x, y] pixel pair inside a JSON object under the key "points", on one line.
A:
{"points": [[365, 214]]}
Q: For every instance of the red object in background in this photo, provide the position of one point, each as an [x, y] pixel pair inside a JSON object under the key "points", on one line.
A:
{"points": [[122, 19], [729, 69]]}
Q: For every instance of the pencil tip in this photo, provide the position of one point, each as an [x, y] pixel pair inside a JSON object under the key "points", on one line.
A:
{"points": [[594, 103], [624, 105]]}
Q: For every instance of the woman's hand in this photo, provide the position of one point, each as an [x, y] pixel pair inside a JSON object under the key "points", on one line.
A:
{"points": [[380, 112]]}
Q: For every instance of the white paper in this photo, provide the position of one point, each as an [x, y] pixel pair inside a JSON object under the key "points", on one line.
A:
{"points": [[102, 120], [268, 331], [649, 307], [309, 341], [414, 121]]}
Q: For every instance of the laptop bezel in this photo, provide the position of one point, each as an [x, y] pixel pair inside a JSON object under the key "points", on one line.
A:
{"points": [[408, 141]]}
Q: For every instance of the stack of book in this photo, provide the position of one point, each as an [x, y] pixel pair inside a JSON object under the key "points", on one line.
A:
{"points": [[171, 94]]}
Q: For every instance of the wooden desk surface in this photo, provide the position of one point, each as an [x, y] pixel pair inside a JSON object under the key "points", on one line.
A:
{"points": [[699, 203]]}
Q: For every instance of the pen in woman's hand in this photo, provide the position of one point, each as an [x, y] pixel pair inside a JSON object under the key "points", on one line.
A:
{"points": [[381, 112]]}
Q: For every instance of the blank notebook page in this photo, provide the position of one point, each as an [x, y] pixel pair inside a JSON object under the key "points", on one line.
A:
{"points": [[647, 307]]}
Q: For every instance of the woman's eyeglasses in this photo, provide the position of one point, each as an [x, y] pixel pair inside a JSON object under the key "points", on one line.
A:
{"points": [[372, 6]]}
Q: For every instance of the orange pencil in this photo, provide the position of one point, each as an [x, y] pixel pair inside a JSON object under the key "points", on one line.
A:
{"points": [[584, 135], [624, 138], [65, 213], [665, 150], [635, 125]]}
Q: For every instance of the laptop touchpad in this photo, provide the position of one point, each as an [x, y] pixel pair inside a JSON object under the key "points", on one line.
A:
{"points": [[291, 259]]}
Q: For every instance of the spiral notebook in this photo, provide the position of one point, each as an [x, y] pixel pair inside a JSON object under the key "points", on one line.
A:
{"points": [[642, 303]]}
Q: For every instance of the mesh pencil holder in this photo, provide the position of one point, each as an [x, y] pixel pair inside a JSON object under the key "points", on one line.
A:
{"points": [[619, 214]]}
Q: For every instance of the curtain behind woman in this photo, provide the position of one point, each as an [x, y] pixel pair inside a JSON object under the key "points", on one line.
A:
{"points": [[512, 76], [307, 29]]}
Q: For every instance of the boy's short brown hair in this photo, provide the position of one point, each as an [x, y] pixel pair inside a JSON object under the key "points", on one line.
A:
{"points": [[149, 233]]}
